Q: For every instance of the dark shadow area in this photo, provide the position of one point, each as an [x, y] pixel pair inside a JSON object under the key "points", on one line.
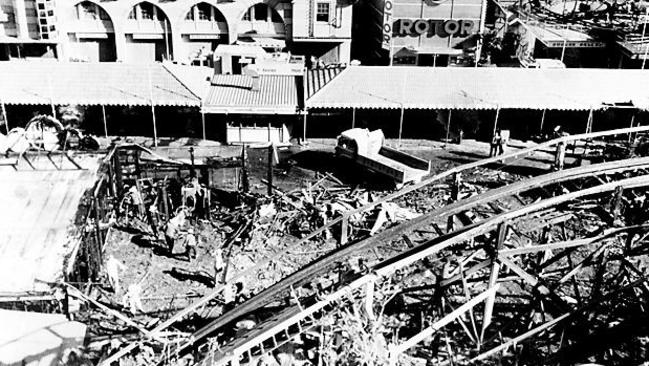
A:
{"points": [[344, 169], [185, 275]]}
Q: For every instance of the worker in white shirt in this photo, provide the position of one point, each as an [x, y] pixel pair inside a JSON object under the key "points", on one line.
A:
{"points": [[113, 266]]}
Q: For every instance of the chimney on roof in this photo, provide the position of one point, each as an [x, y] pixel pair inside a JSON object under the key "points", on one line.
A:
{"points": [[254, 75]]}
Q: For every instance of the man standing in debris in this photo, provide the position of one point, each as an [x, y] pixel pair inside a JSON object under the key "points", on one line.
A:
{"points": [[113, 266], [171, 231], [218, 264], [496, 141], [190, 244], [560, 156], [132, 298]]}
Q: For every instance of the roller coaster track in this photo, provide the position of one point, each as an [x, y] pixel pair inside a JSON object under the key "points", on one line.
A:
{"points": [[295, 320], [457, 209]]}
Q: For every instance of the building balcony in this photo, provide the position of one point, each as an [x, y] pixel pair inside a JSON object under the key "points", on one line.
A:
{"points": [[91, 26], [262, 28], [203, 27], [145, 26]]}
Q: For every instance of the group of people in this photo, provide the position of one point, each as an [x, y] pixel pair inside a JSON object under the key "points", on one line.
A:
{"points": [[140, 202], [498, 142]]}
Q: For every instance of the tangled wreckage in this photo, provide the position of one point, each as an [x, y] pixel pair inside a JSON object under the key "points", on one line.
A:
{"points": [[197, 260]]}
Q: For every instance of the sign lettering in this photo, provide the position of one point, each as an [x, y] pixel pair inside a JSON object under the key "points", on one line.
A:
{"points": [[387, 25], [432, 27]]}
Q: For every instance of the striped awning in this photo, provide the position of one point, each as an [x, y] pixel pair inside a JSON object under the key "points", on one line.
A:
{"points": [[482, 88], [52, 82]]}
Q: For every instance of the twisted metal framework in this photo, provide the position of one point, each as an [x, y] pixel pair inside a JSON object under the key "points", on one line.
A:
{"points": [[506, 270], [480, 239]]}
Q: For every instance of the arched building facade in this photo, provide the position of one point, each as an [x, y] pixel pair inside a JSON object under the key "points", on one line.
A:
{"points": [[184, 30]]}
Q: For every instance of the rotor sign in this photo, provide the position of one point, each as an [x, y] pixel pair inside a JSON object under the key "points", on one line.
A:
{"points": [[387, 24], [433, 27]]}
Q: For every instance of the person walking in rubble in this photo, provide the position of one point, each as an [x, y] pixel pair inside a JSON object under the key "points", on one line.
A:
{"points": [[190, 244], [132, 299], [113, 266], [219, 266], [560, 156], [172, 229], [496, 141]]}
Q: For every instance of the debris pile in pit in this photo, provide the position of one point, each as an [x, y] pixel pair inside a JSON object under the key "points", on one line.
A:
{"points": [[280, 221]]}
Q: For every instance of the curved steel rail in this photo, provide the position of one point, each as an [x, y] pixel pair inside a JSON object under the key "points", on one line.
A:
{"points": [[343, 220], [270, 334]]}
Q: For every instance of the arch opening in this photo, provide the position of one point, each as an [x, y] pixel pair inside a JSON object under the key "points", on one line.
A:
{"points": [[91, 34], [262, 21], [203, 28], [148, 34]]}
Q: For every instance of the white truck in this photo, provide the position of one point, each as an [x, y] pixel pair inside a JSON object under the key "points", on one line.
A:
{"points": [[367, 149]]}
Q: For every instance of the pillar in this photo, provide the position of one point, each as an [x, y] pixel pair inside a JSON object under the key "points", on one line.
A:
{"points": [[177, 49], [20, 14], [120, 43], [344, 51]]}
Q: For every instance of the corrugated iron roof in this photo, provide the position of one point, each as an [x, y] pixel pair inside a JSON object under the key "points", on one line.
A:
{"points": [[317, 78], [482, 88], [277, 94], [112, 83]]}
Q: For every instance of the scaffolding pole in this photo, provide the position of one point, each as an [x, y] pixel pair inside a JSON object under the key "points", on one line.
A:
{"points": [[155, 128], [4, 116], [103, 114]]}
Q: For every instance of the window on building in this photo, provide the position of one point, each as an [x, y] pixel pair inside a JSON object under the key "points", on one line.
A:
{"points": [[87, 11], [247, 16], [322, 12], [204, 11], [261, 12], [275, 16], [146, 10]]}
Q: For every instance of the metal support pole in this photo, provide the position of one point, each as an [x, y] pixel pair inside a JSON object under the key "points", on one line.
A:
{"points": [[542, 121], [269, 173], [4, 116], [589, 123], [155, 128], [448, 125], [403, 97], [203, 124], [353, 117], [304, 126], [631, 125], [401, 123], [103, 114], [496, 121]]}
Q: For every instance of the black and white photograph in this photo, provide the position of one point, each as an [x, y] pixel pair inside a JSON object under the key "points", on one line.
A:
{"points": [[324, 182]]}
